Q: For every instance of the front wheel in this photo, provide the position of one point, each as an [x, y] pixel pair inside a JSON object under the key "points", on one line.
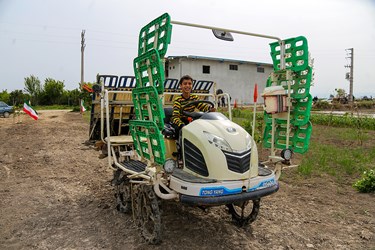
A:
{"points": [[244, 213], [6, 114]]}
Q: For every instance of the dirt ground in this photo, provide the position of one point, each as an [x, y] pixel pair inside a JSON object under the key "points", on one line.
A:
{"points": [[55, 193]]}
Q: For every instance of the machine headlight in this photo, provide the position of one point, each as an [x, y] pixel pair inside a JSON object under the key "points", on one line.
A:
{"points": [[248, 141], [218, 142], [169, 166], [286, 154]]}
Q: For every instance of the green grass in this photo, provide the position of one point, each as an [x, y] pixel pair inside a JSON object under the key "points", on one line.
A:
{"points": [[338, 152], [53, 107], [344, 121], [86, 116]]}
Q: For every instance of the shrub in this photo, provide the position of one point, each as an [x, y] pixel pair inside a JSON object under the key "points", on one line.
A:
{"points": [[367, 183], [365, 104], [322, 105], [236, 112], [344, 121]]}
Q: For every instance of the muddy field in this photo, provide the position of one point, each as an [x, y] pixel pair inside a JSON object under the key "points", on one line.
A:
{"points": [[55, 193]]}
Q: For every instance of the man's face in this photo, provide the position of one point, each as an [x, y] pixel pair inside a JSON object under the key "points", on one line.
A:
{"points": [[186, 86]]}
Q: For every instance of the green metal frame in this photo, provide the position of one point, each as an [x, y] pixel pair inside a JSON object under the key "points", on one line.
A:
{"points": [[299, 137], [296, 54], [147, 96], [156, 35], [148, 141], [148, 105], [300, 84], [298, 74], [149, 70]]}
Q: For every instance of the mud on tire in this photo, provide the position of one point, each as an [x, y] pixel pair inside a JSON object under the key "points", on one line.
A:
{"points": [[123, 192]]}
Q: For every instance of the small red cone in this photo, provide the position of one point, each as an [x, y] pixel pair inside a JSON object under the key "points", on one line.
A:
{"points": [[235, 104]]}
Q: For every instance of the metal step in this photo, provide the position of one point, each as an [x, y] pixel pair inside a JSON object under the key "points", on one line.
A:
{"points": [[134, 165], [182, 175], [120, 139], [262, 171]]}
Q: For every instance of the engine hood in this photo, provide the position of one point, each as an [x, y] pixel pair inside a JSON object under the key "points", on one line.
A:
{"points": [[217, 124]]}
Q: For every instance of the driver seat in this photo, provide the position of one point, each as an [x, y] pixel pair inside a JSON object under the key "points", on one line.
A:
{"points": [[168, 114], [169, 131]]}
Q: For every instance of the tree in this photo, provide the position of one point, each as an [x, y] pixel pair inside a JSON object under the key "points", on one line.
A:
{"points": [[340, 93], [17, 97], [33, 87], [341, 96], [4, 96], [70, 97], [53, 91]]}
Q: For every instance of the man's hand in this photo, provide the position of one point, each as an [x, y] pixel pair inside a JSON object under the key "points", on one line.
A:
{"points": [[212, 110]]}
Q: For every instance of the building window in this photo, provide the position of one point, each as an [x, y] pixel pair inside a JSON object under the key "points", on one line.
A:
{"points": [[260, 69], [233, 67], [206, 69]]}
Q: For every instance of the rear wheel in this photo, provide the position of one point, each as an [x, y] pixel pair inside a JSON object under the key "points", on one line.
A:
{"points": [[123, 193], [6, 114], [244, 213]]}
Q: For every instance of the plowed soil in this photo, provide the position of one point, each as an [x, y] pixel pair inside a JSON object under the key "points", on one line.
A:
{"points": [[55, 193]]}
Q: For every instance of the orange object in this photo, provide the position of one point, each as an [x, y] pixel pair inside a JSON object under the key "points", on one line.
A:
{"points": [[235, 104], [255, 93], [87, 88]]}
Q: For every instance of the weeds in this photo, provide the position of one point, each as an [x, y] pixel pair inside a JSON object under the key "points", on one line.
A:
{"points": [[367, 183], [347, 120]]}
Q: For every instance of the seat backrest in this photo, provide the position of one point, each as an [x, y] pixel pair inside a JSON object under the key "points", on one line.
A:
{"points": [[168, 114]]}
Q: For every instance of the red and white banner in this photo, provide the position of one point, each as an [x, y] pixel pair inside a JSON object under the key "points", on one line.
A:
{"points": [[30, 111]]}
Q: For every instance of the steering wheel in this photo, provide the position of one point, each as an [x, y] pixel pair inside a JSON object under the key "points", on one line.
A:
{"points": [[196, 115]]}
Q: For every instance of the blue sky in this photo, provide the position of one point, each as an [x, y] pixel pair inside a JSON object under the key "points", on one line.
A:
{"points": [[42, 37]]}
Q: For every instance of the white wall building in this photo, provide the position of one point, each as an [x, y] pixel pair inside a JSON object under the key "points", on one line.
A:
{"points": [[234, 77]]}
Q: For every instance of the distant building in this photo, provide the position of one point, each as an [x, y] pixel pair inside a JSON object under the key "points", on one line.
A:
{"points": [[234, 77]]}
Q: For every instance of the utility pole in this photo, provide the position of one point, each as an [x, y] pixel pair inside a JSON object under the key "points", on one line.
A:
{"points": [[349, 75], [83, 45]]}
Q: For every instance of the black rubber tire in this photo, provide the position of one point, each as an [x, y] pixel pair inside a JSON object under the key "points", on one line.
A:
{"points": [[123, 194], [6, 114], [250, 211]]}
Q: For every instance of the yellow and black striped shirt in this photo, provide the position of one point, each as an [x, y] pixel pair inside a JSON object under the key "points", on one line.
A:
{"points": [[177, 117]]}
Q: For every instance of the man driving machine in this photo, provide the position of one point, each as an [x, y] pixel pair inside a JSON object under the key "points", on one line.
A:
{"points": [[178, 118]]}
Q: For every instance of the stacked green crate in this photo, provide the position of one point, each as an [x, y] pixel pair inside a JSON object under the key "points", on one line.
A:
{"points": [[156, 35], [149, 70], [148, 141], [148, 105], [299, 73], [147, 96]]}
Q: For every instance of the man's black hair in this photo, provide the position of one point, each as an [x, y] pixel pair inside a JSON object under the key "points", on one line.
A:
{"points": [[185, 77]]}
